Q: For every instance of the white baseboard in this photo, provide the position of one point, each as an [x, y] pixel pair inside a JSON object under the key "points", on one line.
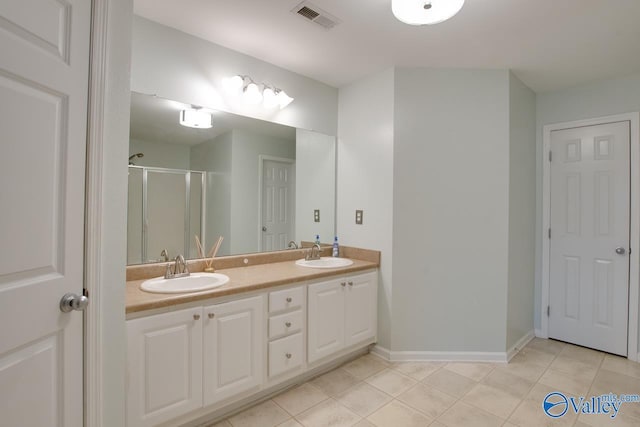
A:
{"points": [[439, 356], [520, 345], [540, 334]]}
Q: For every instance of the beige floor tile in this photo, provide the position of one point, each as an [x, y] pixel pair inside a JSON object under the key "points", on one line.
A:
{"points": [[391, 382], [508, 424], [266, 414], [427, 400], [503, 380], [290, 423], [546, 345], [396, 414], [492, 400], [613, 382], [328, 414], [620, 420], [528, 371], [538, 357], [574, 367], [300, 399], [464, 415], [436, 424], [621, 365], [223, 423], [449, 382], [335, 382], [530, 414], [377, 358], [417, 370], [577, 385], [363, 399], [475, 371], [364, 367], [364, 423], [586, 355]]}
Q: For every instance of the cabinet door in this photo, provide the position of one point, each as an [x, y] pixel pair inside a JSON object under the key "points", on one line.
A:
{"points": [[233, 348], [326, 319], [361, 308], [165, 366]]}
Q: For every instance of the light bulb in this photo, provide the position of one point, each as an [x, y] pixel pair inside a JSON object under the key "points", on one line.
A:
{"points": [[233, 84], [284, 99], [425, 12], [270, 98], [252, 94]]}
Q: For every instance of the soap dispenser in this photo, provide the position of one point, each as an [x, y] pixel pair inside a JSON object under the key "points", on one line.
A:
{"points": [[336, 247], [317, 239]]}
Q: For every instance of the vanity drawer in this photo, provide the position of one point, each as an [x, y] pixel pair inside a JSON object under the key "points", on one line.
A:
{"points": [[285, 324], [285, 354], [285, 299]]}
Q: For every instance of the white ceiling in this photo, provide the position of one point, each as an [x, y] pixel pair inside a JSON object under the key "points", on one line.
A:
{"points": [[157, 119], [549, 44]]}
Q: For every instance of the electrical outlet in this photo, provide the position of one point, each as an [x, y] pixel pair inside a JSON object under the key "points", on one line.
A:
{"points": [[316, 215], [359, 215]]}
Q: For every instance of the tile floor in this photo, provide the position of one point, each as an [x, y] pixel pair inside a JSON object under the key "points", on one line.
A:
{"points": [[372, 392]]}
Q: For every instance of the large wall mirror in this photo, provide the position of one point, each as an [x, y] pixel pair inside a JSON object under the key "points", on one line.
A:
{"points": [[257, 183]]}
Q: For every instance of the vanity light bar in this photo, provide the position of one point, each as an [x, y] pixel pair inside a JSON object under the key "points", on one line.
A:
{"points": [[195, 118], [254, 93]]}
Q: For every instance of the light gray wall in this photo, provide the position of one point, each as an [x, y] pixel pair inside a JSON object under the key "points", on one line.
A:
{"points": [[160, 155], [245, 219], [522, 197], [597, 99], [315, 185], [450, 210], [214, 157], [177, 66], [365, 178]]}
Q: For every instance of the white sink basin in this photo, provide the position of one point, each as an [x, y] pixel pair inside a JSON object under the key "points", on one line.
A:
{"points": [[195, 282], [325, 262]]}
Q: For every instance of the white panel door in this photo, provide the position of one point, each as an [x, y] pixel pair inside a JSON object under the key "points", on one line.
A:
{"points": [[326, 318], [277, 204], [361, 308], [233, 348], [164, 366], [589, 262], [44, 62]]}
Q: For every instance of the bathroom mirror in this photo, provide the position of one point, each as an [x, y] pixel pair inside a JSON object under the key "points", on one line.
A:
{"points": [[256, 183]]}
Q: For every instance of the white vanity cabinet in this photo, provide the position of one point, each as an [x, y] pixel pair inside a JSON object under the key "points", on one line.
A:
{"points": [[285, 333], [165, 366], [342, 312], [233, 344]]}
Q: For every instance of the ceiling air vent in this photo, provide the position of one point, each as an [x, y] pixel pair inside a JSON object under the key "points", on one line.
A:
{"points": [[313, 13]]}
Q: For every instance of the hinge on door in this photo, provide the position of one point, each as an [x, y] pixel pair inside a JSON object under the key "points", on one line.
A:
{"points": [[549, 233], [548, 310], [85, 292], [550, 155]]}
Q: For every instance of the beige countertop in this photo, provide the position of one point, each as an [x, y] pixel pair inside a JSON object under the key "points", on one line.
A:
{"points": [[241, 279]]}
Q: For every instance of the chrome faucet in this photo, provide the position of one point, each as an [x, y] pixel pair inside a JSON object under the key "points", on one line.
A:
{"points": [[179, 269], [313, 253], [292, 245], [165, 255]]}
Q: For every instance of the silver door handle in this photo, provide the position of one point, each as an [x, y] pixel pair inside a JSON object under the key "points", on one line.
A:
{"points": [[264, 228], [70, 302], [620, 250]]}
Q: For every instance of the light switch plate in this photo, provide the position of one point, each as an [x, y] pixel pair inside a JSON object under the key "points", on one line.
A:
{"points": [[359, 214], [316, 215]]}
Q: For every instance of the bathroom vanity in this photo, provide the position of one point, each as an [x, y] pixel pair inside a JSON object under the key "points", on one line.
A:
{"points": [[198, 356]]}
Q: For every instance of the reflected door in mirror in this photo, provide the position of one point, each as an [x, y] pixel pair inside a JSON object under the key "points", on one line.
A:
{"points": [[278, 189]]}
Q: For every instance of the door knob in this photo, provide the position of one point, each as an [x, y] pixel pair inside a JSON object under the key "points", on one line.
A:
{"points": [[70, 302], [620, 250], [264, 228]]}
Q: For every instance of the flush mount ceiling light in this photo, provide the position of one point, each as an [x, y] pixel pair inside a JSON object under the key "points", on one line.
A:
{"points": [[253, 93], [425, 12], [196, 118]]}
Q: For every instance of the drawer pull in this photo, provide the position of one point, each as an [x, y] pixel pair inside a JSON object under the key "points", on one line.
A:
{"points": [[350, 283], [343, 284], [289, 299], [288, 355], [288, 324], [212, 315], [196, 317]]}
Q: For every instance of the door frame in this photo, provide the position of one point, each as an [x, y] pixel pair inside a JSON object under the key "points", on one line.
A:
{"points": [[261, 159], [634, 230]]}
